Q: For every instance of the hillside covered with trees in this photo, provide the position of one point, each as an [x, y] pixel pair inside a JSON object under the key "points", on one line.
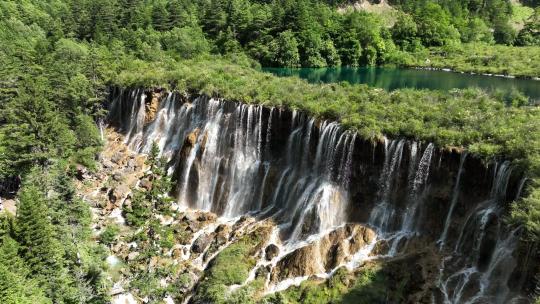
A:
{"points": [[59, 59]]}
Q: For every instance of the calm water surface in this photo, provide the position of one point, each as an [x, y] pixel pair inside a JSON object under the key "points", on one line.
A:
{"points": [[396, 78]]}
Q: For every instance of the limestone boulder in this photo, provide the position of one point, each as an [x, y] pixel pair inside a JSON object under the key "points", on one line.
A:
{"points": [[201, 243], [271, 251]]}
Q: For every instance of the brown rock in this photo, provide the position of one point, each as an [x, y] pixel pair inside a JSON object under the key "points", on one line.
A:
{"points": [[206, 216], [222, 234], [118, 158], [361, 236], [382, 247], [82, 172], [177, 252], [271, 251], [300, 262], [117, 194], [117, 176], [152, 107], [325, 254], [145, 184], [201, 243], [191, 139]]}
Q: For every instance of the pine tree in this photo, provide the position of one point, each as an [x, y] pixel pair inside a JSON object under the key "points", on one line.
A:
{"points": [[35, 232], [15, 284], [39, 248], [14, 289], [160, 17], [34, 132], [161, 183]]}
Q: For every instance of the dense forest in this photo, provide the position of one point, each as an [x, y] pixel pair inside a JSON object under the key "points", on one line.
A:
{"points": [[59, 58], [288, 33]]}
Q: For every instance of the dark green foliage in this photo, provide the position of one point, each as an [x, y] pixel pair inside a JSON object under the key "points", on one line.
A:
{"points": [[140, 210], [370, 285], [15, 284], [15, 289], [285, 49], [504, 33], [186, 42], [34, 131], [36, 234], [48, 247], [530, 34], [109, 235], [527, 212]]}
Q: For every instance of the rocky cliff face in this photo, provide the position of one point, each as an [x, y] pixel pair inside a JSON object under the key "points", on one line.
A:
{"points": [[334, 200]]}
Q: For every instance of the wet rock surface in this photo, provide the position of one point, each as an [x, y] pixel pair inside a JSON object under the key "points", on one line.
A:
{"points": [[201, 243], [325, 254], [271, 251]]}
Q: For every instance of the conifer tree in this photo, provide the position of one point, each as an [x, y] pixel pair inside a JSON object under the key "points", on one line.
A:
{"points": [[16, 285], [34, 132], [16, 290], [160, 17], [35, 232], [39, 248]]}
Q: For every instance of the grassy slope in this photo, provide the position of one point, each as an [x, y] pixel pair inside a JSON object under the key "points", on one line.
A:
{"points": [[482, 58], [231, 267], [370, 284]]}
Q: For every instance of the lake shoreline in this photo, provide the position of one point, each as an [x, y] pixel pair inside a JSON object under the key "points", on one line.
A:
{"points": [[425, 68], [392, 77]]}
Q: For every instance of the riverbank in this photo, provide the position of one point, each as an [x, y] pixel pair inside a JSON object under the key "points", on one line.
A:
{"points": [[391, 78], [483, 59], [472, 73]]}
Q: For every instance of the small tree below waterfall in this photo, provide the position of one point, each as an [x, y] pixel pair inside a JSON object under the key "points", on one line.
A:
{"points": [[153, 192]]}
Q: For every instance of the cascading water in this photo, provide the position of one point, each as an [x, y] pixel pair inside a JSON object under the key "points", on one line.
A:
{"points": [[382, 215], [419, 181], [485, 277], [229, 158], [455, 197], [235, 159]]}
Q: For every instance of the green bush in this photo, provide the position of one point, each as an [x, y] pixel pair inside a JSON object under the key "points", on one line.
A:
{"points": [[231, 266], [109, 235]]}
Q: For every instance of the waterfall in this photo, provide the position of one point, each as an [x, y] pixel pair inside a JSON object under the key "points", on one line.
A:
{"points": [[420, 180], [453, 202], [227, 162], [134, 136], [489, 273], [382, 215], [311, 177], [522, 184]]}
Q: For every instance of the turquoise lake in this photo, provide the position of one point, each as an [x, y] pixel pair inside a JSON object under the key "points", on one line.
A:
{"points": [[396, 78]]}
